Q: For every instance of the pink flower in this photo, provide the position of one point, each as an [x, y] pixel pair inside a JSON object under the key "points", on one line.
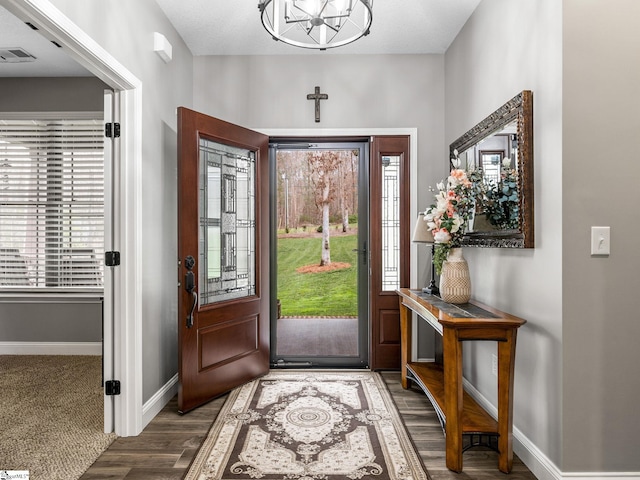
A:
{"points": [[458, 177], [447, 217], [441, 236], [458, 174]]}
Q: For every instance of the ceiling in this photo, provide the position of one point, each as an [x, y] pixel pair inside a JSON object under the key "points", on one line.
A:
{"points": [[51, 61], [225, 27]]}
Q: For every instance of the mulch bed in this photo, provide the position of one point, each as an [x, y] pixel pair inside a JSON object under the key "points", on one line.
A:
{"points": [[323, 268]]}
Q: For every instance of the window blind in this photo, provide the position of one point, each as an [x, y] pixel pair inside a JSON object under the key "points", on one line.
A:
{"points": [[51, 204]]}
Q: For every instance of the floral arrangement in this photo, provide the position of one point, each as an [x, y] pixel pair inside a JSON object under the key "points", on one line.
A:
{"points": [[447, 218]]}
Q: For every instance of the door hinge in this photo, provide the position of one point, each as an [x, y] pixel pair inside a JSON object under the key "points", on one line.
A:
{"points": [[112, 130], [112, 387], [112, 259]]}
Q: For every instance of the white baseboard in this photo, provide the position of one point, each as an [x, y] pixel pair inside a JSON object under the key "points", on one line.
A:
{"points": [[156, 403], [50, 348], [601, 475], [539, 464]]}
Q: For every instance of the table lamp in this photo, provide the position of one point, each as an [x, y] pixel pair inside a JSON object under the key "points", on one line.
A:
{"points": [[422, 234]]}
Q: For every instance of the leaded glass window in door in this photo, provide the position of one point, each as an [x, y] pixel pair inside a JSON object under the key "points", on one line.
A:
{"points": [[390, 215], [227, 222]]}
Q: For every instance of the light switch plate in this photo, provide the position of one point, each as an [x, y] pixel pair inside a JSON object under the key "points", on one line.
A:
{"points": [[600, 241]]}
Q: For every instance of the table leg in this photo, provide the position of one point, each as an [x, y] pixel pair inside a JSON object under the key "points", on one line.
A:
{"points": [[405, 343], [506, 369], [453, 394]]}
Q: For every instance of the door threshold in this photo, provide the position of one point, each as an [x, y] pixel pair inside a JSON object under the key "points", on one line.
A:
{"points": [[286, 364], [282, 364]]}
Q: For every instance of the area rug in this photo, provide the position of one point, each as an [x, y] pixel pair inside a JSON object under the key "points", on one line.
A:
{"points": [[309, 425]]}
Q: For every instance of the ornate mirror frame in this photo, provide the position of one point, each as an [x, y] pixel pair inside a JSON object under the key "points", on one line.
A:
{"points": [[519, 109]]}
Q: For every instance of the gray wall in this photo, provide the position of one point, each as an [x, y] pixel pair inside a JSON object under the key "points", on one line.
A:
{"points": [[69, 320], [72, 320], [601, 326], [504, 48], [576, 378], [65, 94], [125, 29], [365, 91]]}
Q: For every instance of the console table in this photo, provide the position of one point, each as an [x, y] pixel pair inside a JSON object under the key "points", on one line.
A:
{"points": [[461, 416]]}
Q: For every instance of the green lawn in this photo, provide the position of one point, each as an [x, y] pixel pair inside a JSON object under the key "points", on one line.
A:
{"points": [[329, 293]]}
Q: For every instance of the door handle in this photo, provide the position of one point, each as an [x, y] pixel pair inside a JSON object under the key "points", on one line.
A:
{"points": [[190, 287], [363, 251]]}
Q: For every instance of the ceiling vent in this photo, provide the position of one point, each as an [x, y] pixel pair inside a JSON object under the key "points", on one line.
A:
{"points": [[15, 55]]}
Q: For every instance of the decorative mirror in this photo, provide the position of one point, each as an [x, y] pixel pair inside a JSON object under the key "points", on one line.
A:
{"points": [[498, 156]]}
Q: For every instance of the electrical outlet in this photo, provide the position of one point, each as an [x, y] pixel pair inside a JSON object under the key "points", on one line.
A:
{"points": [[494, 364]]}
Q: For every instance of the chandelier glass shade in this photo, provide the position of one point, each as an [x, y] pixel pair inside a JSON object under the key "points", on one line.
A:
{"points": [[318, 24]]}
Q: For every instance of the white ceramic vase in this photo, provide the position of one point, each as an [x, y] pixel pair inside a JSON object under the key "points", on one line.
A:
{"points": [[455, 282]]}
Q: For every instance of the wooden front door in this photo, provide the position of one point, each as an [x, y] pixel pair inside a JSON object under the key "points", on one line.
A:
{"points": [[389, 234], [223, 249]]}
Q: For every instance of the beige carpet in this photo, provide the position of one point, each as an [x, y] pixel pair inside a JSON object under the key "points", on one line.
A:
{"points": [[309, 425], [51, 415]]}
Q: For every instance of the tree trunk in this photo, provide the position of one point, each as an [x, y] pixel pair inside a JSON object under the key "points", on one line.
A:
{"points": [[345, 220], [325, 258], [343, 203]]}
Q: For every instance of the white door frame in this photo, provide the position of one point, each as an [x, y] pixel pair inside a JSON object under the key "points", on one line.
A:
{"points": [[124, 349]]}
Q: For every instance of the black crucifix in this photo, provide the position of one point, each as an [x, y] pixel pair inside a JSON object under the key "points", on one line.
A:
{"points": [[317, 96]]}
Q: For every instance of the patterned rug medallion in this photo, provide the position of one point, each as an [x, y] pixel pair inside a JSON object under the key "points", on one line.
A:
{"points": [[309, 425]]}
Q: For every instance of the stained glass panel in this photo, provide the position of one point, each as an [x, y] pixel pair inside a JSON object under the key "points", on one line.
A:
{"points": [[390, 206], [227, 222]]}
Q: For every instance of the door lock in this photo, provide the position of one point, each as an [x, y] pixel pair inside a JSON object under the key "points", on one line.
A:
{"points": [[190, 287]]}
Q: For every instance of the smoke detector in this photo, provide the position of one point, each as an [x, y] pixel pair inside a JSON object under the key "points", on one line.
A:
{"points": [[15, 55]]}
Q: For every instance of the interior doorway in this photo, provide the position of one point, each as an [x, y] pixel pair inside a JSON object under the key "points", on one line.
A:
{"points": [[320, 259], [124, 412]]}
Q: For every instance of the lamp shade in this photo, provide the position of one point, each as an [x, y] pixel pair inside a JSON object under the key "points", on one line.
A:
{"points": [[421, 233]]}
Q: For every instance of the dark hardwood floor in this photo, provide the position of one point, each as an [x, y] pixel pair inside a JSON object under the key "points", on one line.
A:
{"points": [[164, 450]]}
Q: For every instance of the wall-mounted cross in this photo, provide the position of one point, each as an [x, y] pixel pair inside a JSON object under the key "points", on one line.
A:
{"points": [[317, 96]]}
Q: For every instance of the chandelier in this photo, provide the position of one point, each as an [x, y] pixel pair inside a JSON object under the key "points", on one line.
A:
{"points": [[318, 24]]}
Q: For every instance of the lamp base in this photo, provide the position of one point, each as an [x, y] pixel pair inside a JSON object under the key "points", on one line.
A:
{"points": [[432, 289]]}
